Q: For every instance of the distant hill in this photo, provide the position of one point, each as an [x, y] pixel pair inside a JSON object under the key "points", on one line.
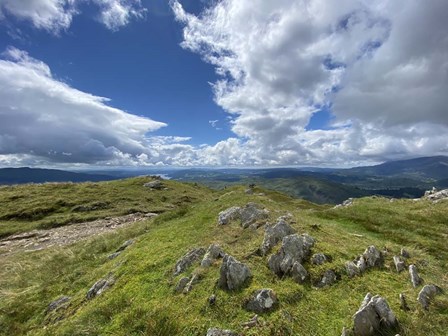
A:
{"points": [[434, 167], [37, 175]]}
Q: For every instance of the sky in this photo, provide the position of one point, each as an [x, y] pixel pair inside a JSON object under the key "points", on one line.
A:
{"points": [[158, 83]]}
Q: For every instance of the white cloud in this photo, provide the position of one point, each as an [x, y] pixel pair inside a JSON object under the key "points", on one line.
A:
{"points": [[57, 15], [380, 65], [44, 119]]}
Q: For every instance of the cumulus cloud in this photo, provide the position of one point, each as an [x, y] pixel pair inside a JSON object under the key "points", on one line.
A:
{"points": [[57, 15], [45, 119], [379, 66]]}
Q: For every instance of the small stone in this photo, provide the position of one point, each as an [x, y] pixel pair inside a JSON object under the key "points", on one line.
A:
{"points": [[328, 278], [426, 295], [400, 265], [405, 254], [154, 185], [212, 300], [233, 274], [220, 332], [415, 278], [214, 252], [59, 303], [251, 323], [319, 259], [100, 286], [181, 284], [403, 304], [299, 273], [188, 259], [228, 215], [262, 301]]}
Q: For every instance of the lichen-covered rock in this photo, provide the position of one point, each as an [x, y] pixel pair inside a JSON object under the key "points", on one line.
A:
{"points": [[252, 213], [400, 265], [262, 301], [181, 284], [188, 259], [374, 317], [220, 332], [328, 278], [295, 248], [214, 252], [426, 295], [228, 215], [233, 274], [373, 257], [319, 259], [299, 273], [62, 302], [274, 234], [100, 286], [415, 278]]}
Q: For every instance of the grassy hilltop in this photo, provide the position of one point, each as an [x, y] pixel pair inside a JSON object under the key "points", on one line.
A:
{"points": [[142, 300]]}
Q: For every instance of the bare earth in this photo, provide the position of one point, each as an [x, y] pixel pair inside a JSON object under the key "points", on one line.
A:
{"points": [[40, 239]]}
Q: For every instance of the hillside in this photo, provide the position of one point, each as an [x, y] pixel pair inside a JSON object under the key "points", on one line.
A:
{"points": [[138, 296]]}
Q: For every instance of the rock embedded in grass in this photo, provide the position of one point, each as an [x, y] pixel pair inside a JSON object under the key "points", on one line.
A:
{"points": [[220, 332], [415, 278], [188, 259], [63, 301], [100, 286], [214, 252], [228, 215], [233, 274], [403, 304], [319, 259], [181, 284], [427, 294], [400, 265], [373, 257], [262, 301], [299, 273], [274, 234], [328, 278], [252, 213]]}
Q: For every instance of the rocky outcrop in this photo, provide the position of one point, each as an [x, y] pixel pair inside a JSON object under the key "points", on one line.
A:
{"points": [[220, 332], [100, 286], [400, 265], [62, 302], [252, 213], [372, 257], [374, 317], [157, 185], [124, 246], [403, 303], [415, 278], [214, 252], [435, 195], [233, 274], [228, 215], [262, 301], [274, 234], [188, 259], [295, 248], [427, 294]]}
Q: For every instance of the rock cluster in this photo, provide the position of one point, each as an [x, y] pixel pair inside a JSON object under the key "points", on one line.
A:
{"points": [[248, 215], [374, 317], [188, 259], [274, 234], [435, 195], [157, 185], [372, 257], [233, 274]]}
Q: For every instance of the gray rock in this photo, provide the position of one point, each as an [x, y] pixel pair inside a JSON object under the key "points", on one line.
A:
{"points": [[405, 254], [403, 304], [352, 269], [361, 264], [328, 278], [233, 274], [189, 286], [228, 215], [62, 302], [275, 234], [214, 252], [100, 286], [252, 213], [188, 259], [373, 257], [253, 322], [262, 301], [400, 265], [374, 317], [113, 255], [181, 284], [294, 248], [220, 332], [319, 259], [212, 300], [437, 196], [299, 273], [154, 185], [426, 295], [125, 245], [415, 278]]}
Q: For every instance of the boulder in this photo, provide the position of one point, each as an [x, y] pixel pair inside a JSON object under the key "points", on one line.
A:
{"points": [[154, 185], [125, 245], [374, 317], [373, 257], [295, 248], [426, 295], [233, 274], [220, 332], [400, 265], [328, 278], [62, 302], [319, 259], [252, 213], [299, 273], [100, 286], [214, 252], [188, 259], [415, 278], [274, 234], [228, 215], [262, 301]]}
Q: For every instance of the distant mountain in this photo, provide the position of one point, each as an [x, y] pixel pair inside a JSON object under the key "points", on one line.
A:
{"points": [[37, 175], [434, 167]]}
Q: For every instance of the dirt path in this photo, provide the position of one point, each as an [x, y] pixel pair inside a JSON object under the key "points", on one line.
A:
{"points": [[40, 239]]}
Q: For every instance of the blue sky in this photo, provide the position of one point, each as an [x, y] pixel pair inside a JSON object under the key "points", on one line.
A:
{"points": [[214, 83]]}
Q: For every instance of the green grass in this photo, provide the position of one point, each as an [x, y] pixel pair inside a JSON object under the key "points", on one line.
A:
{"points": [[143, 302]]}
